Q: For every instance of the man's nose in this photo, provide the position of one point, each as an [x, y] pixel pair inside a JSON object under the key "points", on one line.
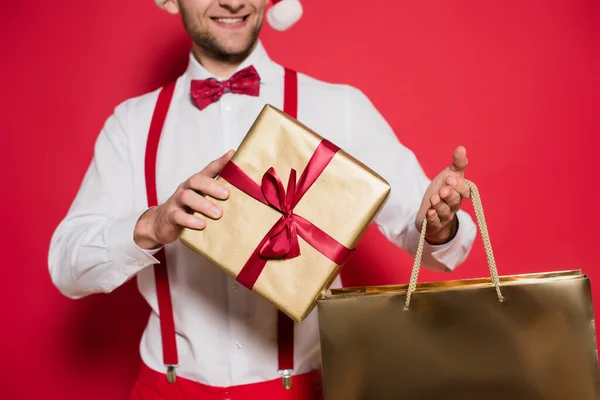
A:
{"points": [[232, 6]]}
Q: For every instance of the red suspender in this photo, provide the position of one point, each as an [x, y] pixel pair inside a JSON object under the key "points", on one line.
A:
{"points": [[161, 276], [290, 93], [285, 325]]}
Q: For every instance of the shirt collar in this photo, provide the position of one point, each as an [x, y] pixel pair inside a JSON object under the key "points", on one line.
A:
{"points": [[267, 69]]}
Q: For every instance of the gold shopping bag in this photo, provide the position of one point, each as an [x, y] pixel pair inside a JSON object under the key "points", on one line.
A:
{"points": [[523, 337]]}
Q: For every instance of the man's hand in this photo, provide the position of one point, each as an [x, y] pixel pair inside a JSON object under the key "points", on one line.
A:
{"points": [[442, 200], [162, 224]]}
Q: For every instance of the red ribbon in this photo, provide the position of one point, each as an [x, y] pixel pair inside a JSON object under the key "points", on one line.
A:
{"points": [[281, 242]]}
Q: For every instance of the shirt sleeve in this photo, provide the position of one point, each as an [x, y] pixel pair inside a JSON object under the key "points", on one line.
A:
{"points": [[375, 144], [92, 249]]}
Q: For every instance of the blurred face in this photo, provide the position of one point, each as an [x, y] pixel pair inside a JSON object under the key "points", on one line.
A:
{"points": [[224, 29]]}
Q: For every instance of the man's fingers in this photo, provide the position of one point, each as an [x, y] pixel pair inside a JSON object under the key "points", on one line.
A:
{"points": [[459, 159], [433, 221], [181, 218], [200, 204], [451, 197], [457, 183], [443, 211], [209, 186], [215, 167]]}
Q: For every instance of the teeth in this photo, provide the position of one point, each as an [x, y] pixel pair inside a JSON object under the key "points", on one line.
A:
{"points": [[229, 20]]}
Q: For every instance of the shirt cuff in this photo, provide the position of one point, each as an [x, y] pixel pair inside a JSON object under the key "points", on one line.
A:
{"points": [[127, 255]]}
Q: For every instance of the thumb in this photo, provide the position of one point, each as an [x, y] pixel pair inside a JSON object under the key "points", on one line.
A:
{"points": [[215, 167], [459, 159]]}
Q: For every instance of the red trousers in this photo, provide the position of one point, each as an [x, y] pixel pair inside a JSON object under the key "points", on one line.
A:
{"points": [[152, 385]]}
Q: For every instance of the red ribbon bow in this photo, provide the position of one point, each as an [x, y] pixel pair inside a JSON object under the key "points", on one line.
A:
{"points": [[281, 242], [207, 91]]}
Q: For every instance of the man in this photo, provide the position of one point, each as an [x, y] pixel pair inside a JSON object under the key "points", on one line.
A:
{"points": [[226, 335]]}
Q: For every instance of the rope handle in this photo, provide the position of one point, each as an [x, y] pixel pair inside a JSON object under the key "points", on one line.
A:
{"points": [[414, 276]]}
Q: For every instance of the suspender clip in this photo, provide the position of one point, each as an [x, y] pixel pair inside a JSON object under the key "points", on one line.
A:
{"points": [[171, 374], [286, 378]]}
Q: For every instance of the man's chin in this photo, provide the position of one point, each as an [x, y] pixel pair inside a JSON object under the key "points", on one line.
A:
{"points": [[226, 47], [237, 50]]}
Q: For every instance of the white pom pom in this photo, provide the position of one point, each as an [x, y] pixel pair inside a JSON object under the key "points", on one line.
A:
{"points": [[284, 14]]}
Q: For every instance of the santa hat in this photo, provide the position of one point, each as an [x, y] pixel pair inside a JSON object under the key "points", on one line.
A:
{"points": [[284, 13], [281, 16]]}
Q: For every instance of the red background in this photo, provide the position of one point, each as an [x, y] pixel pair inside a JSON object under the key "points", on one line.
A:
{"points": [[516, 82]]}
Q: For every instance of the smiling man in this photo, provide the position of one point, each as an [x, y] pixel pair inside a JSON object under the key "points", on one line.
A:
{"points": [[208, 337]]}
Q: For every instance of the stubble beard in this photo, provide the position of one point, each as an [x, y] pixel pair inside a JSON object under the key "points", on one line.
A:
{"points": [[211, 45]]}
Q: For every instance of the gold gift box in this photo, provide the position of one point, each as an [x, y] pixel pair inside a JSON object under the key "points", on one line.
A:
{"points": [[342, 202]]}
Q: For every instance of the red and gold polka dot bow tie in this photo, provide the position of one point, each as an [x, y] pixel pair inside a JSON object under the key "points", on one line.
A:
{"points": [[207, 91]]}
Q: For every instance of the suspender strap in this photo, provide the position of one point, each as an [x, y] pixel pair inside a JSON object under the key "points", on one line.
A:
{"points": [[163, 293], [285, 325], [290, 93]]}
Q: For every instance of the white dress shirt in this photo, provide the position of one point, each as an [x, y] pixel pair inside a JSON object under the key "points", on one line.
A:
{"points": [[226, 335]]}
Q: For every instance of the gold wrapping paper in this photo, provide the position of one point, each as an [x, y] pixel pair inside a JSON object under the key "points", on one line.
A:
{"points": [[457, 342], [342, 202]]}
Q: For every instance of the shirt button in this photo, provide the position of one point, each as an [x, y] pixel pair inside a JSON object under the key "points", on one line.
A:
{"points": [[235, 287], [227, 108], [238, 344], [141, 263]]}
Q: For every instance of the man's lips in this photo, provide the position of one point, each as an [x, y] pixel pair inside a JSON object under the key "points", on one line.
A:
{"points": [[231, 22]]}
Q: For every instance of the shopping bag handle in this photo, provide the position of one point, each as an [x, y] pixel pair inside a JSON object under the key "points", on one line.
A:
{"points": [[414, 276]]}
